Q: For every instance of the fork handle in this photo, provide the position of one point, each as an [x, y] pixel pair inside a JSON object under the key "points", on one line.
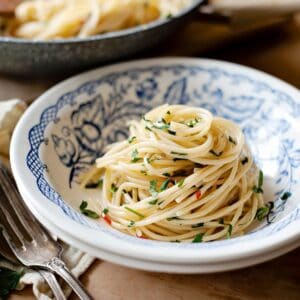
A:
{"points": [[59, 267], [53, 284]]}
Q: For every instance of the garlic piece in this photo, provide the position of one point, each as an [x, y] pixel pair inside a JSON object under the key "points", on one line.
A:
{"points": [[10, 113]]}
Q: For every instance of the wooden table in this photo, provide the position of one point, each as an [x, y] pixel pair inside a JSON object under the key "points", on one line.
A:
{"points": [[276, 51]]}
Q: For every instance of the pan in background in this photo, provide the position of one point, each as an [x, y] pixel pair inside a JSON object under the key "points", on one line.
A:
{"points": [[40, 58]]}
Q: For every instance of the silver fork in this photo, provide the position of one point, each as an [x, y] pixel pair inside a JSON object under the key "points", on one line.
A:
{"points": [[6, 252], [31, 244]]}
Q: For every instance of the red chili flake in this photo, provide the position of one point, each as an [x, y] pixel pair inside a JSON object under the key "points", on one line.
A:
{"points": [[143, 237], [107, 219], [198, 195]]}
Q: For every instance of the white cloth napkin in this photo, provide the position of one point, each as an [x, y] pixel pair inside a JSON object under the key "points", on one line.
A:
{"points": [[77, 261]]}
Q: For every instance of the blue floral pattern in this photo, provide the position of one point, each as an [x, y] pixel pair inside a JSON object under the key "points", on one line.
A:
{"points": [[101, 108]]}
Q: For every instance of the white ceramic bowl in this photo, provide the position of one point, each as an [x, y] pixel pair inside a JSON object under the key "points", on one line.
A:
{"points": [[62, 133]]}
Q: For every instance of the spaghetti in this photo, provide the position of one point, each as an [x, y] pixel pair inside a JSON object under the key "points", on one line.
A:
{"points": [[183, 175], [51, 19]]}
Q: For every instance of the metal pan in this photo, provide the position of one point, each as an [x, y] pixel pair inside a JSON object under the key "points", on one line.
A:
{"points": [[39, 58]]}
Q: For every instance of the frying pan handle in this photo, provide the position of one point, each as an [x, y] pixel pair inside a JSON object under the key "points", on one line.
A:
{"points": [[208, 14], [237, 19]]}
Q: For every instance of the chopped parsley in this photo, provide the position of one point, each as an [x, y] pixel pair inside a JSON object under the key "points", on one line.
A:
{"points": [[178, 153], [262, 212], [229, 232], [161, 126], [221, 221], [167, 174], [135, 156], [245, 160], [168, 112], [172, 132], [105, 211], [153, 202], [8, 281], [198, 225], [95, 185], [192, 123], [134, 212], [176, 159], [87, 212], [198, 238], [173, 218], [164, 185], [131, 139], [153, 188], [113, 188], [148, 128], [231, 140], [180, 183], [215, 153], [144, 172], [258, 189], [131, 223]]}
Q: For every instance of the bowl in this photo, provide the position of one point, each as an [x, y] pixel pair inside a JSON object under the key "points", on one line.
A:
{"points": [[67, 128]]}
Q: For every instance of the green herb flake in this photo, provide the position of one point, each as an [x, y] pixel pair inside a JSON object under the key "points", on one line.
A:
{"points": [[221, 221], [148, 128], [180, 183], [229, 231], [8, 281], [173, 218], [131, 139], [164, 185], [134, 212], [245, 160], [95, 185], [153, 188], [113, 188], [168, 112], [134, 156], [153, 202], [172, 132], [169, 16], [105, 211], [178, 153], [261, 178], [167, 174], [198, 225], [198, 238], [178, 159], [161, 126], [131, 224], [258, 189], [192, 123], [215, 153], [285, 196], [144, 172], [87, 212], [83, 205], [261, 213]]}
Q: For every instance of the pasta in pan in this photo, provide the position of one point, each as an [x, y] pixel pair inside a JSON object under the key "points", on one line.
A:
{"points": [[51, 19], [183, 175]]}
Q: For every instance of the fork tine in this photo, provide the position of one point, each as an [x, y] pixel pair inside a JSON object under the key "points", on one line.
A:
{"points": [[16, 202], [15, 231]]}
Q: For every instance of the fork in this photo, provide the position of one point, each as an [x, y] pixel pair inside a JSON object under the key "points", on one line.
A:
{"points": [[6, 252], [30, 243]]}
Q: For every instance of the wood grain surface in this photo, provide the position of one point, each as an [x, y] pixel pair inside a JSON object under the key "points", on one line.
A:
{"points": [[275, 51]]}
